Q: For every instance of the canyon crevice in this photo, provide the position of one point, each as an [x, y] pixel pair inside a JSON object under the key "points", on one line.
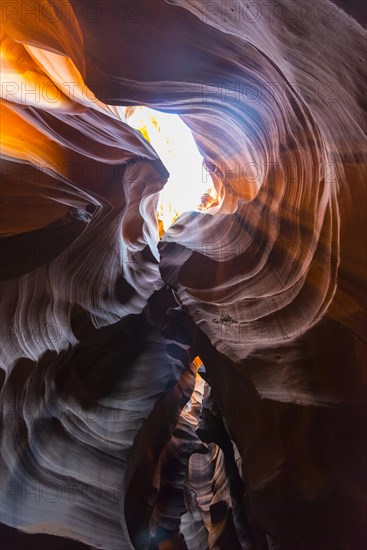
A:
{"points": [[204, 388]]}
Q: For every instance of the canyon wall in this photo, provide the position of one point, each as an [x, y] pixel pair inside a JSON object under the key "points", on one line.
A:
{"points": [[206, 389]]}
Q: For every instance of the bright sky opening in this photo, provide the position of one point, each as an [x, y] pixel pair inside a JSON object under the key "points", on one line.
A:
{"points": [[190, 186]]}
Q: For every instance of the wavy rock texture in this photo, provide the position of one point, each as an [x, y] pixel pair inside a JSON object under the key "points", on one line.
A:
{"points": [[113, 432]]}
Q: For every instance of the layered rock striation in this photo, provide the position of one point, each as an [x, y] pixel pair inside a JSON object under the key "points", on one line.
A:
{"points": [[205, 389]]}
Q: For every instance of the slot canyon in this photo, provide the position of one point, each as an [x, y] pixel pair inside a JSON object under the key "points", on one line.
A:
{"points": [[183, 275]]}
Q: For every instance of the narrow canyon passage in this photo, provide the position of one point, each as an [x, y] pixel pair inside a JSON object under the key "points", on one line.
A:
{"points": [[183, 312]]}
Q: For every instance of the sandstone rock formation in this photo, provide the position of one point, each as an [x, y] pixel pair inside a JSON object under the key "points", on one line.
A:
{"points": [[206, 389]]}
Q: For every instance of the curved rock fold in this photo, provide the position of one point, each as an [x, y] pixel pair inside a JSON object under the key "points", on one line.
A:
{"points": [[205, 389]]}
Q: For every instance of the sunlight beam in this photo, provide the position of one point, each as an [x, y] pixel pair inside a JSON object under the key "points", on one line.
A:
{"points": [[190, 186]]}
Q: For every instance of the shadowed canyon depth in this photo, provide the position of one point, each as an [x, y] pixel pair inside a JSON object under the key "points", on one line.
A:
{"points": [[183, 245]]}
